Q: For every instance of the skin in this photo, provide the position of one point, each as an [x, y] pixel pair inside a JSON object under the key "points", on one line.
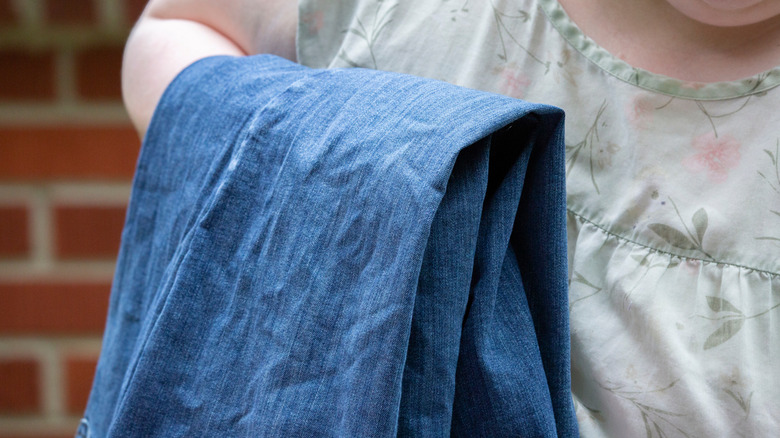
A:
{"points": [[172, 34], [692, 40], [727, 13]]}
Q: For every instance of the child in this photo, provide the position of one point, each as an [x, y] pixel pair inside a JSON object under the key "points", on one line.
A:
{"points": [[673, 164]]}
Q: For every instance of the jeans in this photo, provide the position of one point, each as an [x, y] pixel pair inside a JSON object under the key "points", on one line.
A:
{"points": [[339, 253]]}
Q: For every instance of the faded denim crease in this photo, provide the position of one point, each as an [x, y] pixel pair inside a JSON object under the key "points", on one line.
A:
{"points": [[346, 253]]}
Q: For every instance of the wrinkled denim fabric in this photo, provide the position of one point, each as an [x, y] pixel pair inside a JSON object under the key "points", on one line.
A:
{"points": [[345, 253]]}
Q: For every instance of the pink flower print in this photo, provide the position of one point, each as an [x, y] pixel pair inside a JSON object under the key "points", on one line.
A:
{"points": [[313, 22], [515, 83], [716, 155], [640, 111], [691, 267]]}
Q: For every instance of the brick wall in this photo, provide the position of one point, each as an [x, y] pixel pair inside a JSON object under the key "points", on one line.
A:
{"points": [[67, 153]]}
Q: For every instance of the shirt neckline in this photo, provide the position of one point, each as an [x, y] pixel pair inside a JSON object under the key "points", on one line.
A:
{"points": [[649, 80]]}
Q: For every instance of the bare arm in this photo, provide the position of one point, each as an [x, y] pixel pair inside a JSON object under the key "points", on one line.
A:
{"points": [[172, 34]]}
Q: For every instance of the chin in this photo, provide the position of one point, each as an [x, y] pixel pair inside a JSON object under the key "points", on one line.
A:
{"points": [[731, 5], [728, 13]]}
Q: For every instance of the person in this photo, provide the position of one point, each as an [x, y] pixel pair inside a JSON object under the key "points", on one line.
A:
{"points": [[673, 169]]}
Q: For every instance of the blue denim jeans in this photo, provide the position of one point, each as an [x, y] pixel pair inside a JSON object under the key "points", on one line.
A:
{"points": [[339, 253]]}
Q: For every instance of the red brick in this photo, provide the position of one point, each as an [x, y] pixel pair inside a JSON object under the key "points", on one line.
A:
{"points": [[53, 308], [79, 372], [20, 388], [98, 73], [70, 12], [27, 75], [7, 12], [33, 434], [133, 9], [14, 231], [68, 152], [88, 232]]}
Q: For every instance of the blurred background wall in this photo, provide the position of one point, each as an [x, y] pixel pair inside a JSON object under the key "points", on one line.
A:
{"points": [[67, 154]]}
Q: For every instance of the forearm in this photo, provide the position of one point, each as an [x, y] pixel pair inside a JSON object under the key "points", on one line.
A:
{"points": [[157, 50], [173, 34]]}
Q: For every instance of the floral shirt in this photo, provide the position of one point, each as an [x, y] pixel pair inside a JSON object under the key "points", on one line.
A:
{"points": [[673, 200]]}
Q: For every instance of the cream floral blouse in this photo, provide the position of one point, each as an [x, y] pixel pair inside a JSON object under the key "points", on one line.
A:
{"points": [[673, 199]]}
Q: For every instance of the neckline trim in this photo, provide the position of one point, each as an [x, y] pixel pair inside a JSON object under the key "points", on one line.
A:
{"points": [[653, 81]]}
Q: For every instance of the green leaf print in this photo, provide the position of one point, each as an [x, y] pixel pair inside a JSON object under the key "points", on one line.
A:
{"points": [[503, 29], [647, 426], [645, 266], [721, 305], [743, 402], [672, 236], [687, 240], [658, 422], [773, 182], [358, 32], [711, 116], [725, 332], [644, 262], [730, 327], [776, 239], [641, 259], [771, 155], [733, 320], [774, 158], [370, 32], [759, 80], [588, 143], [700, 222], [579, 278]]}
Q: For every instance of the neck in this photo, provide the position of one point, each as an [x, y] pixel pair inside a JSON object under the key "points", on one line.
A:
{"points": [[655, 36]]}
